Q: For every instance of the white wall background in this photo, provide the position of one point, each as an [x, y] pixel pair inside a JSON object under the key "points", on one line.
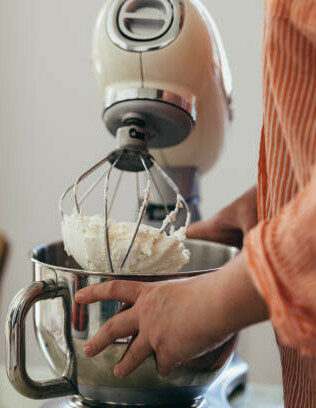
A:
{"points": [[50, 129]]}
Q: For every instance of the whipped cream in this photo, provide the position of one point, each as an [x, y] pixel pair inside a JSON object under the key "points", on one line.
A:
{"points": [[153, 251]]}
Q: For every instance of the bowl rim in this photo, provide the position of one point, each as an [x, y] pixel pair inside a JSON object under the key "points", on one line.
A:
{"points": [[130, 276]]}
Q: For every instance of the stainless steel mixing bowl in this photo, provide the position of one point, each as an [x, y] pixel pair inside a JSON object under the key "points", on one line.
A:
{"points": [[62, 326]]}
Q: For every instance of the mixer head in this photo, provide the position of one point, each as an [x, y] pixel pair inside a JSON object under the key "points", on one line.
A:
{"points": [[163, 61]]}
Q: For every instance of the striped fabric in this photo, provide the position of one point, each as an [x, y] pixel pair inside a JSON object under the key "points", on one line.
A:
{"points": [[282, 248]]}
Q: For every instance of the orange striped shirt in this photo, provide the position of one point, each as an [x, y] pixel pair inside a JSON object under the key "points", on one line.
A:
{"points": [[282, 248]]}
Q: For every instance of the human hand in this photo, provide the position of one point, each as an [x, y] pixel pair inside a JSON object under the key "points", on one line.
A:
{"points": [[177, 320], [231, 224]]}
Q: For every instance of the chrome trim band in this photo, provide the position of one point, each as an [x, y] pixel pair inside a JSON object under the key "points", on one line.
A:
{"points": [[114, 96]]}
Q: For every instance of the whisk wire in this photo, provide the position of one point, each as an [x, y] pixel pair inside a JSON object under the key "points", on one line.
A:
{"points": [[138, 191], [141, 211], [115, 191], [91, 189], [83, 176], [159, 192], [61, 201], [180, 202], [106, 215], [74, 186]]}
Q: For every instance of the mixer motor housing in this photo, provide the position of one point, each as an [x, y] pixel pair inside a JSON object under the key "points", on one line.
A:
{"points": [[164, 60]]}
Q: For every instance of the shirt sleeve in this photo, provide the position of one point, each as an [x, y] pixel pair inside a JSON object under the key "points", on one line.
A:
{"points": [[300, 13], [282, 262], [303, 16]]}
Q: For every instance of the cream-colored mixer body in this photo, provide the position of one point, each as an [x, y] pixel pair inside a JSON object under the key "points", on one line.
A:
{"points": [[193, 67]]}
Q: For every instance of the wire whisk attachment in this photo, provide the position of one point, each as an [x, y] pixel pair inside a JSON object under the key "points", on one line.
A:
{"points": [[132, 157]]}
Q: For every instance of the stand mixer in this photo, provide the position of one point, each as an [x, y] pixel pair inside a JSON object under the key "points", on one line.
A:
{"points": [[166, 88]]}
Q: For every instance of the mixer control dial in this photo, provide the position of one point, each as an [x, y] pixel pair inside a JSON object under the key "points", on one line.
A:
{"points": [[144, 25], [145, 20]]}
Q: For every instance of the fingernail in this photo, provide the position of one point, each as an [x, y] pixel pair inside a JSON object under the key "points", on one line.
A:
{"points": [[163, 372], [87, 350], [79, 297]]}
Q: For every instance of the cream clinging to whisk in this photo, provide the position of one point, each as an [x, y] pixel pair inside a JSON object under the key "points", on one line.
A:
{"points": [[153, 251]]}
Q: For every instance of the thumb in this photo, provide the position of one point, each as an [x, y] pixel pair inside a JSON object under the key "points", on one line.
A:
{"points": [[198, 230], [213, 230]]}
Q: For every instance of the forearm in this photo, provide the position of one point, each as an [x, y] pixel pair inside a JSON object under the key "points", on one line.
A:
{"points": [[242, 304], [234, 300]]}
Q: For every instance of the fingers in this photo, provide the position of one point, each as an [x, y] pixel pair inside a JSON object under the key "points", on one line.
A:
{"points": [[164, 361], [212, 230], [139, 351], [198, 230], [249, 220], [122, 325], [216, 230], [124, 291]]}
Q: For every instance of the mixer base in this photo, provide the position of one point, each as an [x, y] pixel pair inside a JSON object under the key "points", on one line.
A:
{"points": [[76, 403], [234, 377]]}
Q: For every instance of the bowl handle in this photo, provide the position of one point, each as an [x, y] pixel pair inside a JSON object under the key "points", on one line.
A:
{"points": [[15, 343]]}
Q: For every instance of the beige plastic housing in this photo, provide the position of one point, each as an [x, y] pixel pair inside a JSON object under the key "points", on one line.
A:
{"points": [[193, 66]]}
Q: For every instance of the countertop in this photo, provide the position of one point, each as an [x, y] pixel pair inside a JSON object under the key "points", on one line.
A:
{"points": [[255, 395]]}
